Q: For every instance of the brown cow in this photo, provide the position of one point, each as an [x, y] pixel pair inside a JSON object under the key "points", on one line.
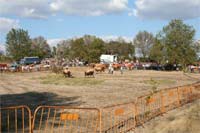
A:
{"points": [[67, 73], [100, 67], [89, 73], [116, 66], [129, 66], [3, 67]]}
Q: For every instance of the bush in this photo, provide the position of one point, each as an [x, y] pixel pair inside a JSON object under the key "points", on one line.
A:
{"points": [[57, 69]]}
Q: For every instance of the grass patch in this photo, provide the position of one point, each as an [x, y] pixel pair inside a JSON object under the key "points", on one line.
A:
{"points": [[159, 82], [156, 83], [59, 79]]}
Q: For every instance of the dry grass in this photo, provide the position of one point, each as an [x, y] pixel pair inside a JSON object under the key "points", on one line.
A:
{"points": [[47, 88], [158, 82], [59, 79], [104, 89]]}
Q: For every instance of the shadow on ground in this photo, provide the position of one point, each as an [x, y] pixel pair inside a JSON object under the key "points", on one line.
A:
{"points": [[15, 120], [35, 99]]}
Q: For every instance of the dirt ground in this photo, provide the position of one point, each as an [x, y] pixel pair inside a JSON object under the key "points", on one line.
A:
{"points": [[46, 88], [39, 88]]}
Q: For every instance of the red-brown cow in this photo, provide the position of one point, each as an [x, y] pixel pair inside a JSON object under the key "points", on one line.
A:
{"points": [[89, 73]]}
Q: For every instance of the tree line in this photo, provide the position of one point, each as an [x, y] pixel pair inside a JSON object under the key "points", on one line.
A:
{"points": [[174, 44], [89, 48]]}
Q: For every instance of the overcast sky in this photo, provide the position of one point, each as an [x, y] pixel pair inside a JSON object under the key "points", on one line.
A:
{"points": [[61, 19]]}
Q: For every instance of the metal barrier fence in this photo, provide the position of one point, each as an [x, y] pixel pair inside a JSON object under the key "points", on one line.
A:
{"points": [[196, 90], [15, 119], [147, 107], [111, 119], [50, 119], [118, 118], [170, 99], [184, 94]]}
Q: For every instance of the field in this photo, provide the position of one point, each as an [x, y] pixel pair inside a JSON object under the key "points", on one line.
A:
{"points": [[46, 88], [39, 88]]}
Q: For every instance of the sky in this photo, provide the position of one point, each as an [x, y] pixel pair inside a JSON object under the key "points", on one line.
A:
{"points": [[62, 19]]}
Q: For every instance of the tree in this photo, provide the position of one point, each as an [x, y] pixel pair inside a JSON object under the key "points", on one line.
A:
{"points": [[18, 44], [123, 49], [53, 53], [63, 49], [94, 50], [177, 39], [89, 48], [40, 47], [196, 47], [78, 49], [157, 52], [143, 42]]}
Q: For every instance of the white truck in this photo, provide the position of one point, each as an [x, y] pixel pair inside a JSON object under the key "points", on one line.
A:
{"points": [[107, 59]]}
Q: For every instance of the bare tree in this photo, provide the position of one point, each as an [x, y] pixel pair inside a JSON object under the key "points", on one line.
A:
{"points": [[40, 47], [143, 42]]}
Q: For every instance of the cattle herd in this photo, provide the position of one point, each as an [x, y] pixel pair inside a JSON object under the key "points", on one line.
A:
{"points": [[91, 70]]}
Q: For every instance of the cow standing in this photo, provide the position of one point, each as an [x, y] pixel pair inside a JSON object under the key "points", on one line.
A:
{"points": [[89, 73], [67, 72]]}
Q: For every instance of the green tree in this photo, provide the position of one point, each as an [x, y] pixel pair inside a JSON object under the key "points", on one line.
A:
{"points": [[54, 49], [157, 52], [95, 49], [78, 49], [177, 39], [40, 47], [196, 47], [89, 48], [18, 44], [123, 49]]}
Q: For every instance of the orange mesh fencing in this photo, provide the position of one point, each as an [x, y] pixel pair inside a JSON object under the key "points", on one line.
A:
{"points": [[50, 119], [195, 90], [147, 107], [15, 119], [170, 99], [184, 94], [118, 118]]}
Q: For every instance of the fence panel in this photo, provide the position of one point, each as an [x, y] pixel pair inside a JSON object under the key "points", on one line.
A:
{"points": [[118, 118], [147, 107], [170, 98], [196, 91], [184, 94], [15, 119], [52, 119]]}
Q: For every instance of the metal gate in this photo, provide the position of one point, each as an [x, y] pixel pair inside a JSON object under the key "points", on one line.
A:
{"points": [[52, 119], [118, 118], [170, 98], [148, 106], [15, 119]]}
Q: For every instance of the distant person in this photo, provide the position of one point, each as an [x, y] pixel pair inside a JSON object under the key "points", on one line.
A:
{"points": [[122, 68], [111, 69]]}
